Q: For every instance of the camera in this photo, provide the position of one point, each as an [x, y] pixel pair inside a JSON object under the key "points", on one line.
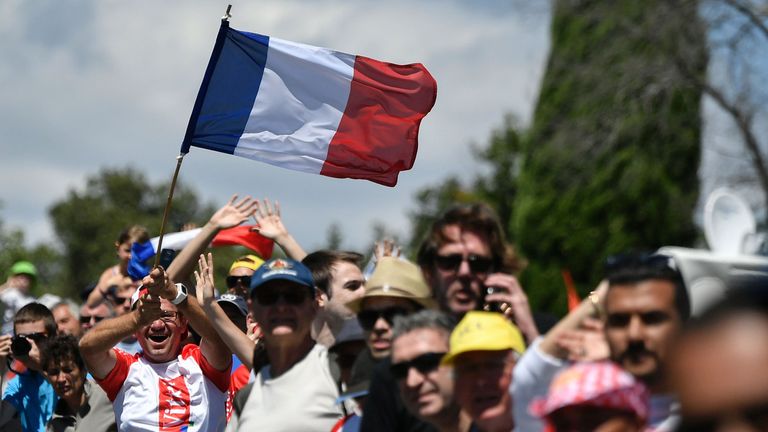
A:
{"points": [[20, 346]]}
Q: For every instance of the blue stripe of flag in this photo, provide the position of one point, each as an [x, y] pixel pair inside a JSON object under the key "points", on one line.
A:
{"points": [[228, 91]]}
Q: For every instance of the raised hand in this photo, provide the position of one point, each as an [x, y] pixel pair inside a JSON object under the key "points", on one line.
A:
{"points": [[514, 303], [149, 309], [586, 343], [270, 225], [234, 212], [206, 291]]}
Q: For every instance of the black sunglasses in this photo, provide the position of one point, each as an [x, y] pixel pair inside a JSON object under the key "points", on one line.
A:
{"points": [[617, 263], [233, 280], [37, 336], [477, 263], [268, 297], [424, 363], [85, 319], [368, 317]]}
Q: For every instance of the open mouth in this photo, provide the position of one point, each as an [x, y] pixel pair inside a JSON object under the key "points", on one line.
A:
{"points": [[158, 338]]}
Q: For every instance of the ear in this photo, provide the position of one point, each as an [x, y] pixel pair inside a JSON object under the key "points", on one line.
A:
{"points": [[321, 298]]}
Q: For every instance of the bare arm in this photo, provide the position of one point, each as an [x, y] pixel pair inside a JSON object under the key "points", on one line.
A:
{"points": [[236, 341], [232, 214], [571, 322], [211, 346], [271, 226], [96, 345]]}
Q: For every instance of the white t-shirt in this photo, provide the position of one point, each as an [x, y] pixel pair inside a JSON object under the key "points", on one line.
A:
{"points": [[303, 398], [186, 391]]}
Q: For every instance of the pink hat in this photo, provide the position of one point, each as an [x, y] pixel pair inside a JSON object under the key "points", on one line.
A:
{"points": [[597, 384]]}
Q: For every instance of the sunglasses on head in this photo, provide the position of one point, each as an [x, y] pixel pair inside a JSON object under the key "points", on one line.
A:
{"points": [[477, 263], [368, 317], [268, 297], [86, 319], [659, 262], [233, 280], [424, 363]]}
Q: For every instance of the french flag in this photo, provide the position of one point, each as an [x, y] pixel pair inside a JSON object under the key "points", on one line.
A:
{"points": [[243, 235], [310, 109]]}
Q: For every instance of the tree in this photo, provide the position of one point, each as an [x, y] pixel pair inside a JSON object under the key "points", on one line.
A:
{"points": [[88, 222], [612, 157]]}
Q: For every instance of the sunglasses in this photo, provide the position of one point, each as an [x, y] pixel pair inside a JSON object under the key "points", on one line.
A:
{"points": [[424, 363], [368, 317], [86, 319], [243, 280], [477, 263], [268, 297], [37, 337]]}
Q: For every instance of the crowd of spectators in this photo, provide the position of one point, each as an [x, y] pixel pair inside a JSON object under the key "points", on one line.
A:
{"points": [[315, 342]]}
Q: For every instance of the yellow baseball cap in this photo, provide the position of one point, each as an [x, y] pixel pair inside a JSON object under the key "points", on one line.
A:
{"points": [[248, 261], [484, 331]]}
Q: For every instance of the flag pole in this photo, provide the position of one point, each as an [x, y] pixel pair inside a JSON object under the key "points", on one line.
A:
{"points": [[179, 160]]}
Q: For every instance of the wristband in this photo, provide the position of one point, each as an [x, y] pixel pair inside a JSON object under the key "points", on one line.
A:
{"points": [[181, 294]]}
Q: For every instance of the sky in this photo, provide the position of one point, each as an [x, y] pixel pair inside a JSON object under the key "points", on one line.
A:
{"points": [[90, 85]]}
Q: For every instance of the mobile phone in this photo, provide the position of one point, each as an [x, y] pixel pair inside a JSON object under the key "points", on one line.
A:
{"points": [[493, 306], [166, 257]]}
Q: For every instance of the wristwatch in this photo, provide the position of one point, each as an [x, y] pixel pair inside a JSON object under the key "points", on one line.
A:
{"points": [[181, 294]]}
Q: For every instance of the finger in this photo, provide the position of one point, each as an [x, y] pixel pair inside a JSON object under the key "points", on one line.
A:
{"points": [[232, 200], [277, 208], [268, 206]]}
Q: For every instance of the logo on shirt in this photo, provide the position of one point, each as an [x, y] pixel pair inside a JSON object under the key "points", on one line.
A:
{"points": [[174, 405]]}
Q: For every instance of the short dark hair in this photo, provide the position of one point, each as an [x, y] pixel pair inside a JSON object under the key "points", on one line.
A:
{"points": [[134, 233], [33, 312], [61, 348], [632, 268], [477, 217], [423, 319], [321, 262]]}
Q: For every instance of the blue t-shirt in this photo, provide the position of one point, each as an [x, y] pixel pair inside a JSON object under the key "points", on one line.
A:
{"points": [[33, 398]]}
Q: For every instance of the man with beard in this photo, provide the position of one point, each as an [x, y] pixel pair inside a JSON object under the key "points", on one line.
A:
{"points": [[167, 386], [645, 308], [469, 266], [644, 304]]}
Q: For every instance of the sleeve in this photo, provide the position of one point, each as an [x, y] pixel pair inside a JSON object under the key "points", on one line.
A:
{"points": [[531, 379], [13, 394], [219, 378], [113, 382]]}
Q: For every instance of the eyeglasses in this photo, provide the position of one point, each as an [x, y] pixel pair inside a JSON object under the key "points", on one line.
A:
{"points": [[268, 297], [233, 280], [169, 316], [477, 263], [424, 363], [368, 317], [86, 319]]}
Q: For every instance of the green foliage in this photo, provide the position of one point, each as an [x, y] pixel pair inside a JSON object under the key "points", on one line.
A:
{"points": [[45, 258], [88, 222], [612, 158]]}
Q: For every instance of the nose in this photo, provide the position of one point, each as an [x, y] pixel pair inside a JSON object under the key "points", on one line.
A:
{"points": [[464, 269], [636, 328], [381, 324], [413, 378]]}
